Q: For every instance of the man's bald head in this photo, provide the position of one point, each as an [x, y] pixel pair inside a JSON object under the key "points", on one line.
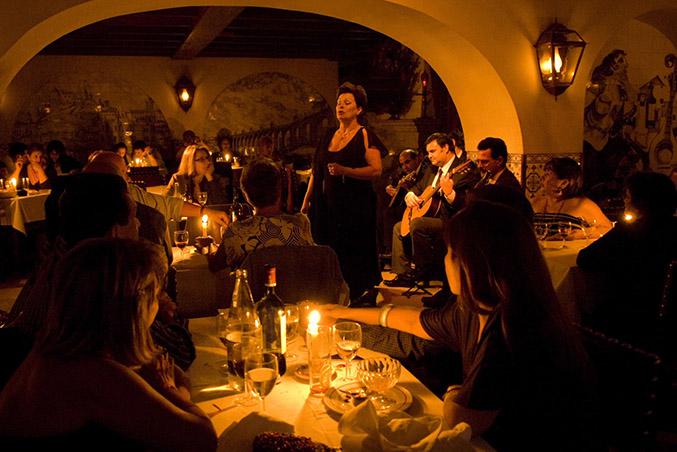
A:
{"points": [[107, 163]]}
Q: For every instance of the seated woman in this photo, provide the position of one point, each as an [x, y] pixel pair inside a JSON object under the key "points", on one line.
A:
{"points": [[34, 169], [59, 162], [115, 390], [525, 381], [196, 175], [561, 198], [636, 253], [262, 186]]}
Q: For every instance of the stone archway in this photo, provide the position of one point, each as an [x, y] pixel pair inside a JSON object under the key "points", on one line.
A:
{"points": [[421, 32]]}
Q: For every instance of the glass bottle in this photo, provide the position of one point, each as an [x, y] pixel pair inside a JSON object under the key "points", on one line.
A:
{"points": [[242, 334], [273, 320]]}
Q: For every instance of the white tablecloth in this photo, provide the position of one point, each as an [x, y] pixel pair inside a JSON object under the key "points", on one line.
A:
{"points": [[20, 210], [290, 400]]}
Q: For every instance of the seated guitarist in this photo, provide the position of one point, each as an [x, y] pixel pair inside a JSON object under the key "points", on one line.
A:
{"points": [[446, 154], [417, 175]]}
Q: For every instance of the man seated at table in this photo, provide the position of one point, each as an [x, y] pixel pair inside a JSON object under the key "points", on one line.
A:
{"points": [[630, 264], [262, 186]]}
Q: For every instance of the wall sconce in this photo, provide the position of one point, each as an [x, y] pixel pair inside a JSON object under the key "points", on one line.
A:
{"points": [[559, 52], [185, 92]]}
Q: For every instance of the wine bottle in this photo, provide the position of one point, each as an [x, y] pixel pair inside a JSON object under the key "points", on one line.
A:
{"points": [[273, 320], [242, 334]]}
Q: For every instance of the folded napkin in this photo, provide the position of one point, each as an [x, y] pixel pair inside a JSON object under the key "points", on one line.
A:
{"points": [[364, 430], [240, 435]]}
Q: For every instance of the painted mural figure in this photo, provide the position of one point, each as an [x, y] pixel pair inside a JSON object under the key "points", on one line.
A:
{"points": [[610, 152]]}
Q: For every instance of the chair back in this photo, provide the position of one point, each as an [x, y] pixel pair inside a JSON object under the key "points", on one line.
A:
{"points": [[303, 273], [627, 383]]}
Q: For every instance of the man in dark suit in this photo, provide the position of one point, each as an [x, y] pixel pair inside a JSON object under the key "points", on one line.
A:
{"points": [[491, 159], [427, 250]]}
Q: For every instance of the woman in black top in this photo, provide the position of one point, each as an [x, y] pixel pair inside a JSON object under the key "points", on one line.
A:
{"points": [[340, 196], [525, 381], [196, 174]]}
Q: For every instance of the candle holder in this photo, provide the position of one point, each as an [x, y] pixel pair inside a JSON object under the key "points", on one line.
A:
{"points": [[318, 340], [202, 244]]}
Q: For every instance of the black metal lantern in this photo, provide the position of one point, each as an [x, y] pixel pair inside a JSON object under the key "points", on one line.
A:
{"points": [[185, 92], [559, 52]]}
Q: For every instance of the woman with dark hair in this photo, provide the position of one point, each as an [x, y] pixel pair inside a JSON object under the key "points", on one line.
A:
{"points": [[94, 379], [34, 169], [60, 163], [340, 196], [525, 380], [196, 174], [561, 197], [632, 259]]}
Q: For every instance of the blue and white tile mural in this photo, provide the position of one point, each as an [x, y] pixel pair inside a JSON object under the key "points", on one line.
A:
{"points": [[91, 114]]}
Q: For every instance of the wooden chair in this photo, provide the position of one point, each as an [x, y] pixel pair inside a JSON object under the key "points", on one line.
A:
{"points": [[303, 273], [627, 384]]}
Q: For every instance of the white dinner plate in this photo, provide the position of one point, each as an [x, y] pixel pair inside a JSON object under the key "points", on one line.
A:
{"points": [[339, 400]]}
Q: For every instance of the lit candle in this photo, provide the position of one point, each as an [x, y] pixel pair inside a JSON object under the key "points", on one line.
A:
{"points": [[205, 223], [628, 217], [313, 320], [13, 182], [137, 162], [228, 156]]}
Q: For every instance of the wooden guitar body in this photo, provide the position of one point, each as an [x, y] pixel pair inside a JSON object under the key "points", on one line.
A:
{"points": [[429, 208]]}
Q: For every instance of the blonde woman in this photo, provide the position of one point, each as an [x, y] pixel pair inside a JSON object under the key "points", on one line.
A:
{"points": [[94, 380], [196, 175]]}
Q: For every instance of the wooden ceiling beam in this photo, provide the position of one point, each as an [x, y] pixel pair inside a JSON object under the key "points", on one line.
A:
{"points": [[213, 21]]}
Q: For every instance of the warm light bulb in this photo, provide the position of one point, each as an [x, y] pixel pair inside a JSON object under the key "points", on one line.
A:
{"points": [[185, 95]]}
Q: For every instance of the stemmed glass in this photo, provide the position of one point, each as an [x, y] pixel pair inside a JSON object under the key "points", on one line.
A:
{"points": [[181, 239], [379, 375], [348, 339], [565, 229], [292, 315], [261, 370], [239, 346], [541, 231]]}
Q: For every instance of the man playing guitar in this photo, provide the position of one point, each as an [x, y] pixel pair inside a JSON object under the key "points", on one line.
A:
{"points": [[424, 239], [416, 175]]}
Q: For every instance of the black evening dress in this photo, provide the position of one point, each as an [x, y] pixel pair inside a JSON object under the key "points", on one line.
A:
{"points": [[343, 211]]}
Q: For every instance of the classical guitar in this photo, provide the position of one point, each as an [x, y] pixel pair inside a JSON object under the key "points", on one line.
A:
{"points": [[663, 147], [406, 181], [430, 204]]}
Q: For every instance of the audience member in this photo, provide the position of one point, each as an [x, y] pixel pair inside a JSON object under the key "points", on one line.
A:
{"points": [[121, 150], [523, 365], [144, 155], [631, 261], [60, 163], [196, 175], [17, 155], [188, 139], [264, 149], [262, 187], [492, 158], [104, 299], [33, 168], [562, 200]]}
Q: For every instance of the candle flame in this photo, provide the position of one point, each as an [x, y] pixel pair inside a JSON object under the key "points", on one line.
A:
{"points": [[628, 217], [185, 95], [205, 219], [314, 317]]}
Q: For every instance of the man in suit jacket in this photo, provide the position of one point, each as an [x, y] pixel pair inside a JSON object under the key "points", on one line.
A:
{"points": [[427, 249], [491, 159]]}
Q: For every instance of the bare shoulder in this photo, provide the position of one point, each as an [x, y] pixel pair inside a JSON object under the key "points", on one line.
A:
{"points": [[538, 203]]}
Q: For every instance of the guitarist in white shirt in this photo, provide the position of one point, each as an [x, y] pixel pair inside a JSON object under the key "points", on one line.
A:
{"points": [[446, 153]]}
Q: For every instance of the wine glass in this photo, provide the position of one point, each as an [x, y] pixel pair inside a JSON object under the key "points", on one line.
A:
{"points": [[202, 198], [261, 370], [292, 314], [541, 231], [565, 229], [240, 343], [379, 375], [181, 239], [348, 339]]}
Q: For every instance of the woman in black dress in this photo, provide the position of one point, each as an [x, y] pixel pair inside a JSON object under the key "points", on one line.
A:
{"points": [[340, 196]]}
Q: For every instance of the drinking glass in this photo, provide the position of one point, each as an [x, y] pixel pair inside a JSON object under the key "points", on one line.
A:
{"points": [[261, 370], [541, 231], [348, 340], [292, 313], [181, 239], [379, 375], [202, 198], [240, 344], [565, 229]]}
